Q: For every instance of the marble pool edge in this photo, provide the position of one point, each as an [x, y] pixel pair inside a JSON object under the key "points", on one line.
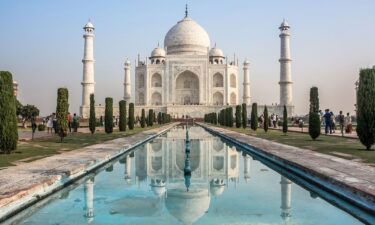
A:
{"points": [[58, 182]]}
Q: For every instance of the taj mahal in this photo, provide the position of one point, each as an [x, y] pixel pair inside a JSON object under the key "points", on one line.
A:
{"points": [[187, 77]]}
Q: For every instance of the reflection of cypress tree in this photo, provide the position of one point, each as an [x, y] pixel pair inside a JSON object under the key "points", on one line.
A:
{"points": [[109, 169]]}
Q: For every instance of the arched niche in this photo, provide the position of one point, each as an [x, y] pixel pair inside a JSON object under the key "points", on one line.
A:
{"points": [[218, 80], [218, 98], [141, 80], [233, 81], [187, 88], [156, 98], [233, 98], [156, 80]]}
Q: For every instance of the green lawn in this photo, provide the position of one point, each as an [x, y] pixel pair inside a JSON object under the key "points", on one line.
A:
{"points": [[324, 144], [28, 151]]}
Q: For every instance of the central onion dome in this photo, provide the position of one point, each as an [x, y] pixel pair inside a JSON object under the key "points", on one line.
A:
{"points": [[187, 37]]}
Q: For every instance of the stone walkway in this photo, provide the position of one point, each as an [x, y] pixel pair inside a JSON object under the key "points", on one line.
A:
{"points": [[24, 184], [306, 130], [355, 178], [26, 135]]}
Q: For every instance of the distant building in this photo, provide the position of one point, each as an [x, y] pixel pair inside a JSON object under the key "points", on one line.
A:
{"points": [[15, 88]]}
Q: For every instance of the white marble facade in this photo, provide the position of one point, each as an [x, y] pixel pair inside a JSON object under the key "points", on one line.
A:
{"points": [[187, 77], [186, 72]]}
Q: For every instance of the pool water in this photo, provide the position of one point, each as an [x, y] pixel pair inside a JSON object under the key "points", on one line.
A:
{"points": [[150, 186]]}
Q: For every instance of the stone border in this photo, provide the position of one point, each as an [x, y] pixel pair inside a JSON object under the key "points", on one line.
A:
{"points": [[24, 185], [327, 172]]}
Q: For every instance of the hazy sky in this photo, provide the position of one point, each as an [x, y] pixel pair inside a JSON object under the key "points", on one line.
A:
{"points": [[41, 44]]}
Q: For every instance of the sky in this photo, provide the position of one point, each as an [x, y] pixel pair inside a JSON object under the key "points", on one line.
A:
{"points": [[41, 43]]}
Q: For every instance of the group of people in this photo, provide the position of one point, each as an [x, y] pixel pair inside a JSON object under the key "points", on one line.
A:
{"points": [[329, 120], [51, 122], [273, 119]]}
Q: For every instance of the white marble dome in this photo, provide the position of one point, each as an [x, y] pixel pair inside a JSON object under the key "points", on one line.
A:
{"points": [[216, 52], [187, 37], [89, 25], [158, 52]]}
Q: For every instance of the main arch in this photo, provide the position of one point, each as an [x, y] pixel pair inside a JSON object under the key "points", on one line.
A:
{"points": [[187, 89]]}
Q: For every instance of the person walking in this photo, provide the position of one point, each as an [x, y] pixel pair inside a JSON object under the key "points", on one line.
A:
{"points": [[49, 124], [341, 119], [348, 124], [54, 122], [70, 120], [75, 122], [333, 123], [327, 121]]}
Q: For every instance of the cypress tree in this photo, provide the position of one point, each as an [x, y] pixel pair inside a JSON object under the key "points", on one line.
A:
{"points": [[366, 107], [154, 117], [266, 119], [285, 120], [314, 117], [92, 118], [150, 117], [215, 118], [62, 110], [143, 118], [254, 117], [8, 117], [244, 115], [230, 116], [238, 116], [131, 116], [108, 115], [122, 122], [159, 118]]}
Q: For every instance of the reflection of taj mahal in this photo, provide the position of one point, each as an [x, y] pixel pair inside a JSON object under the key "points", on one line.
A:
{"points": [[187, 76]]}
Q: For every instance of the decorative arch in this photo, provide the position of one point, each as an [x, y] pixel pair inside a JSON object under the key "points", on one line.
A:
{"points": [[233, 98], [156, 80], [141, 80], [141, 98], [218, 80], [218, 98], [233, 82], [187, 88], [156, 98]]}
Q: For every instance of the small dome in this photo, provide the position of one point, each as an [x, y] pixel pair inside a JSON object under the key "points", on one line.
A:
{"points": [[158, 52], [216, 52], [246, 62], [187, 37], [127, 62], [89, 25], [284, 24], [217, 187]]}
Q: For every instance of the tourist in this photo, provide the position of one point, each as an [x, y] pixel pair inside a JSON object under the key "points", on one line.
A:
{"points": [[54, 122], [333, 123], [49, 124], [276, 121], [70, 120], [327, 121], [341, 119], [75, 122], [348, 124]]}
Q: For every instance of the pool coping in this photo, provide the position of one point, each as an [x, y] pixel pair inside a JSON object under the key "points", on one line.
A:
{"points": [[24, 185], [332, 177]]}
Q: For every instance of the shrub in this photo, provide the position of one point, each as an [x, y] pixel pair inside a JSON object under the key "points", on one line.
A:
{"points": [[314, 117], [254, 117], [238, 116], [41, 127], [266, 119], [159, 118], [8, 117], [92, 119], [143, 118], [244, 116], [131, 116], [62, 110], [108, 115], [122, 122], [285, 120], [366, 107]]}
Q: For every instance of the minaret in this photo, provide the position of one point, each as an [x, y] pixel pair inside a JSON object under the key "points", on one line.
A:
{"points": [[246, 167], [89, 198], [286, 194], [127, 82], [88, 83], [285, 66], [246, 83]]}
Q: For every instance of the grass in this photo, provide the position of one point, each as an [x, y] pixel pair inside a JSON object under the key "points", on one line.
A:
{"points": [[28, 151], [324, 144]]}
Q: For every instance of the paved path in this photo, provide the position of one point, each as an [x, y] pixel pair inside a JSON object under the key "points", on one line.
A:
{"points": [[306, 130], [355, 178], [24, 184], [26, 135]]}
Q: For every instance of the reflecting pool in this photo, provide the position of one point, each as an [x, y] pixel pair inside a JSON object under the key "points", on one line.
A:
{"points": [[159, 183]]}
